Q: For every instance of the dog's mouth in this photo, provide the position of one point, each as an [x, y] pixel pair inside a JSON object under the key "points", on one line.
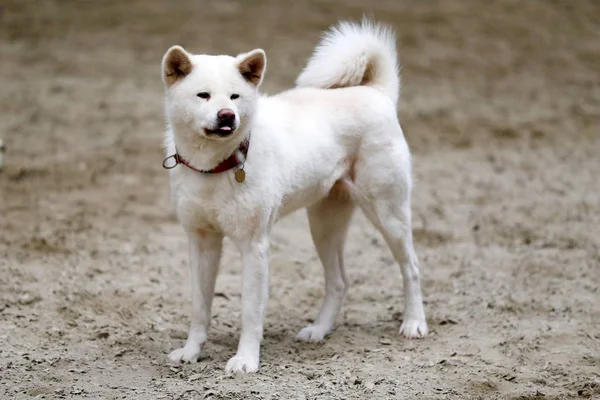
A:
{"points": [[223, 130]]}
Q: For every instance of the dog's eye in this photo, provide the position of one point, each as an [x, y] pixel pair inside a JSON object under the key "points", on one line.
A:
{"points": [[204, 95], [234, 96]]}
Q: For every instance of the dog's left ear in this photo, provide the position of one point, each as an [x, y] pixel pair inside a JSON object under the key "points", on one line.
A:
{"points": [[252, 66]]}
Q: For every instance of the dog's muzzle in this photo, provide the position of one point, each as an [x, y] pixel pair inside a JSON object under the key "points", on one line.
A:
{"points": [[225, 123]]}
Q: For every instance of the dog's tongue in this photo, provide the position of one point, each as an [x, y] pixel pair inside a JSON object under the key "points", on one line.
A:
{"points": [[225, 128]]}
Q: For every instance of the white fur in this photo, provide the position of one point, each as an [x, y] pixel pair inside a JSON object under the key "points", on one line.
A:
{"points": [[326, 150], [347, 51]]}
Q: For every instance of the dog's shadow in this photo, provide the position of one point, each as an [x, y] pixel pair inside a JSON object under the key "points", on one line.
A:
{"points": [[280, 347]]}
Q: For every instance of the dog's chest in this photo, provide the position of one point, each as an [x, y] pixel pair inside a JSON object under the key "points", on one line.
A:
{"points": [[212, 206], [195, 214], [200, 210]]}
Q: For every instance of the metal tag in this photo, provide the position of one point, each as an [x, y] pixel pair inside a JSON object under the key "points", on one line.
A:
{"points": [[240, 175]]}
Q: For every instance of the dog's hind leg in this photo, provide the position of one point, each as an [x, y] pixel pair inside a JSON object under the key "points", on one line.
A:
{"points": [[329, 221], [384, 197]]}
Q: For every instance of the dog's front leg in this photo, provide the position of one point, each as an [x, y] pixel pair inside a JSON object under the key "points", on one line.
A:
{"points": [[255, 293], [205, 254]]}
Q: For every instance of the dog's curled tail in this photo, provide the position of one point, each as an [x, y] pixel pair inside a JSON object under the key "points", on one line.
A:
{"points": [[353, 54]]}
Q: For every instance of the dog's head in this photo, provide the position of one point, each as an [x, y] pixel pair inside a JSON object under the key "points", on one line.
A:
{"points": [[212, 96]]}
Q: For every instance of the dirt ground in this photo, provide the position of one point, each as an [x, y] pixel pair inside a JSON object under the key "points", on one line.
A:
{"points": [[501, 107]]}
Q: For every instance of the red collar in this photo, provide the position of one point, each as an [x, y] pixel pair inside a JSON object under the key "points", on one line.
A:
{"points": [[233, 161]]}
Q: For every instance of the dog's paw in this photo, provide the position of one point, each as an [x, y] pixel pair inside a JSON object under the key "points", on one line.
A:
{"points": [[187, 354], [414, 328], [312, 334], [242, 364]]}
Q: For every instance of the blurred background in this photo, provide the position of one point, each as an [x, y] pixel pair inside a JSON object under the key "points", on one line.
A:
{"points": [[501, 106]]}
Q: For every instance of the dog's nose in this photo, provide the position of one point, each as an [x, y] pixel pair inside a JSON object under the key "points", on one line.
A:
{"points": [[226, 116]]}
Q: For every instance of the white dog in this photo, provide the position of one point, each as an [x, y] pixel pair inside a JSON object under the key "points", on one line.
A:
{"points": [[247, 160]]}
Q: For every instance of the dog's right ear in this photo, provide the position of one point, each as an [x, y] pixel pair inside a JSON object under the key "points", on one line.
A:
{"points": [[176, 65]]}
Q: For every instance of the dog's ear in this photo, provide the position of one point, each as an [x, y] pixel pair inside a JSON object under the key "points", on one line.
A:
{"points": [[252, 66], [176, 65]]}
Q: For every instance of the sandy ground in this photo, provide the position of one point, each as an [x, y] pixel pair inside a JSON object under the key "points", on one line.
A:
{"points": [[501, 106]]}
